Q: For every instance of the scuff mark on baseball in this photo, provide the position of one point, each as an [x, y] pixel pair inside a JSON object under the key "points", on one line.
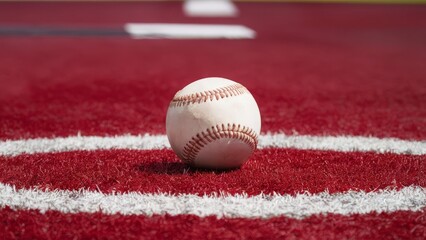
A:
{"points": [[213, 123]]}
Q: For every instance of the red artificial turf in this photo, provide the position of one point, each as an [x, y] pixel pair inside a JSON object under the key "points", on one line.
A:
{"points": [[270, 170], [54, 225], [357, 76], [298, 16], [325, 69]]}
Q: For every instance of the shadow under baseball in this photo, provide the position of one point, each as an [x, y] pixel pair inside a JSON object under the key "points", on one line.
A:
{"points": [[177, 168]]}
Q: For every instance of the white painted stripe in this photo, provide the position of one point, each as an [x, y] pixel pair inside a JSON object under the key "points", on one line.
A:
{"points": [[148, 142], [74, 143], [189, 31], [221, 205], [209, 8], [344, 143]]}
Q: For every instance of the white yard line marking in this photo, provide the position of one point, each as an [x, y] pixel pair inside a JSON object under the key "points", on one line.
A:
{"points": [[344, 143], [189, 31], [150, 142], [209, 8], [221, 205]]}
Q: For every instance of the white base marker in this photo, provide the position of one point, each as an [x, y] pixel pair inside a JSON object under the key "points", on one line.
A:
{"points": [[151, 142], [221, 205], [188, 31], [209, 8]]}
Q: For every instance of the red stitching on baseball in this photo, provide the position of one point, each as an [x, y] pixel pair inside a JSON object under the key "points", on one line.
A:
{"points": [[215, 94], [200, 140]]}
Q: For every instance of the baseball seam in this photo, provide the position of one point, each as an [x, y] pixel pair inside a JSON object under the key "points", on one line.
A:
{"points": [[233, 131], [209, 95]]}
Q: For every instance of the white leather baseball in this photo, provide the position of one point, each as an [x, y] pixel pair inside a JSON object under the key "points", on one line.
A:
{"points": [[213, 123]]}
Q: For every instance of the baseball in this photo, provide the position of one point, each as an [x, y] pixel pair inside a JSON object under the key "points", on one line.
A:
{"points": [[213, 123]]}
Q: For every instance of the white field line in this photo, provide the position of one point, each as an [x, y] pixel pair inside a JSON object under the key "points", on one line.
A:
{"points": [[221, 205], [188, 31], [149, 142]]}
